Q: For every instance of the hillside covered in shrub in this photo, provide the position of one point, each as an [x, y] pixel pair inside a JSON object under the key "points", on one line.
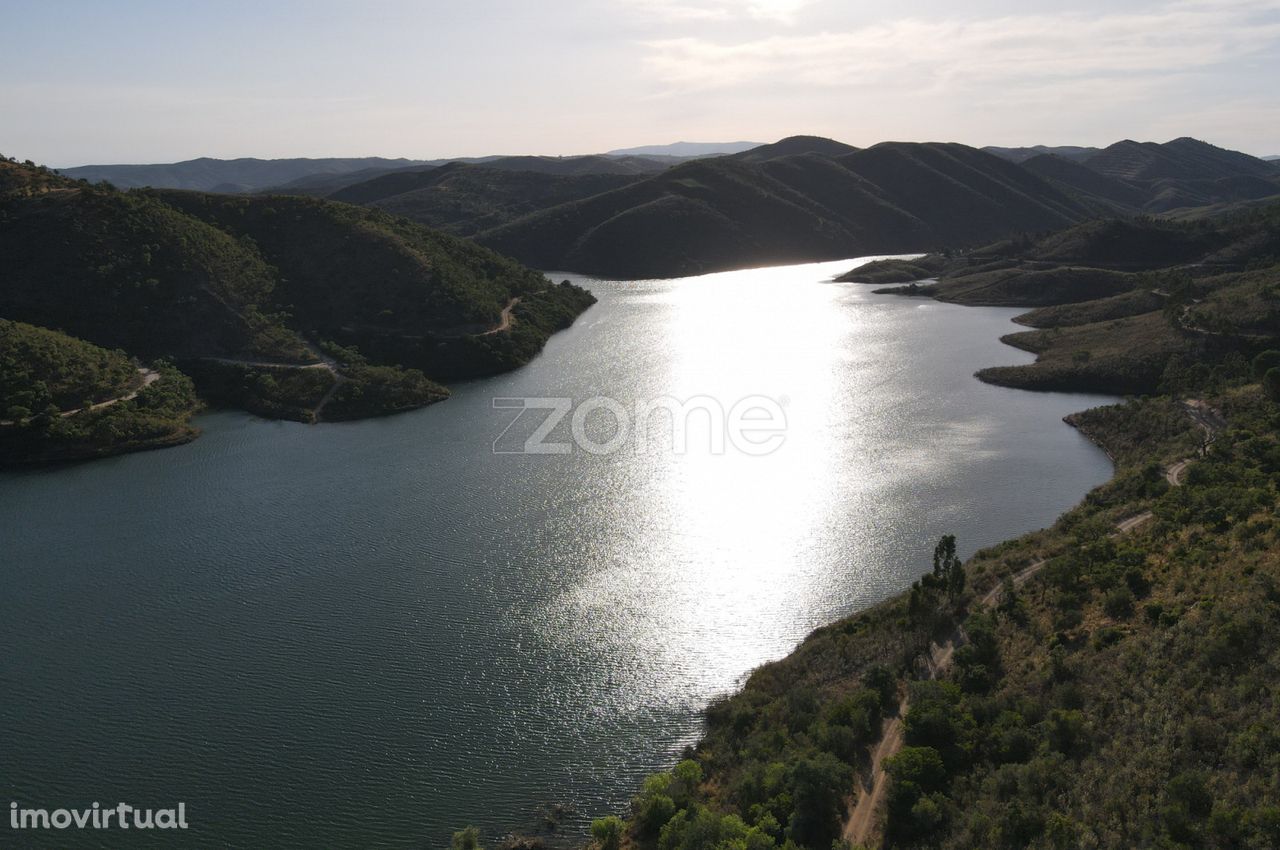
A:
{"points": [[243, 294]]}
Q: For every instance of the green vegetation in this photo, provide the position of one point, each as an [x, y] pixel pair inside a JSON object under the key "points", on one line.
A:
{"points": [[274, 392], [1120, 698], [345, 266], [235, 175], [1111, 678], [65, 399], [241, 292], [397, 292], [466, 199], [466, 839], [895, 271], [1190, 295], [40, 368], [1018, 287], [380, 390], [1123, 356], [1140, 431], [126, 271], [1134, 675], [1133, 303], [608, 832], [1184, 173], [799, 200]]}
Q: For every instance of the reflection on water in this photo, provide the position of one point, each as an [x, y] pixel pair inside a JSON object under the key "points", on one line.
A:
{"points": [[373, 633]]}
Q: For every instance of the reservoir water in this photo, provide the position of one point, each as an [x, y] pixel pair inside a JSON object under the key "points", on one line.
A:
{"points": [[370, 634]]}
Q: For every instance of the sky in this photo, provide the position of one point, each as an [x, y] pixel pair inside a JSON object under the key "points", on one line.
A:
{"points": [[140, 81]]}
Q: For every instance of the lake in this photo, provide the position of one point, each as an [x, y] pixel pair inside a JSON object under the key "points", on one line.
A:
{"points": [[370, 634]]}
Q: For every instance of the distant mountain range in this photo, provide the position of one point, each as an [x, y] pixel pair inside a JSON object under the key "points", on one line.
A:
{"points": [[1023, 154], [228, 175], [320, 176], [667, 210], [687, 149], [465, 199], [812, 198]]}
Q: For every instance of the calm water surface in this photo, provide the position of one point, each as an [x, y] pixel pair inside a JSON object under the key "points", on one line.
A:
{"points": [[370, 634]]}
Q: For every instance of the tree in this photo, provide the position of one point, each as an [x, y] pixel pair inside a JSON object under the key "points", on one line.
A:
{"points": [[607, 832], [1271, 383], [955, 581], [654, 806], [947, 569], [1265, 362], [944, 555], [466, 839], [939, 718], [917, 772], [819, 786]]}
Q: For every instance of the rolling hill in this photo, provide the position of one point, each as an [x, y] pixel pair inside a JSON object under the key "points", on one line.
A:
{"points": [[790, 201], [277, 304], [795, 146], [399, 292], [1072, 152], [126, 271], [227, 175], [1186, 173], [573, 166], [322, 176], [465, 199], [686, 149], [64, 399], [1073, 177], [382, 179]]}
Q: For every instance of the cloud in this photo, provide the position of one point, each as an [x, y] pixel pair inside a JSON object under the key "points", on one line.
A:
{"points": [[681, 11], [1017, 51]]}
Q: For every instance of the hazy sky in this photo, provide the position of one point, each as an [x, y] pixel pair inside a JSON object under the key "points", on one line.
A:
{"points": [[85, 82]]}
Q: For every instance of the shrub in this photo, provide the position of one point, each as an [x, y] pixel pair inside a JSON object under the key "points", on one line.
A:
{"points": [[1067, 731], [1271, 383], [466, 839], [1265, 362], [819, 786], [917, 772], [1118, 603], [607, 832]]}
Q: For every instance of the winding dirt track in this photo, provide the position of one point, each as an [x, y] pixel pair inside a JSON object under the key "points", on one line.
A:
{"points": [[870, 792], [149, 377], [324, 361], [504, 323]]}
